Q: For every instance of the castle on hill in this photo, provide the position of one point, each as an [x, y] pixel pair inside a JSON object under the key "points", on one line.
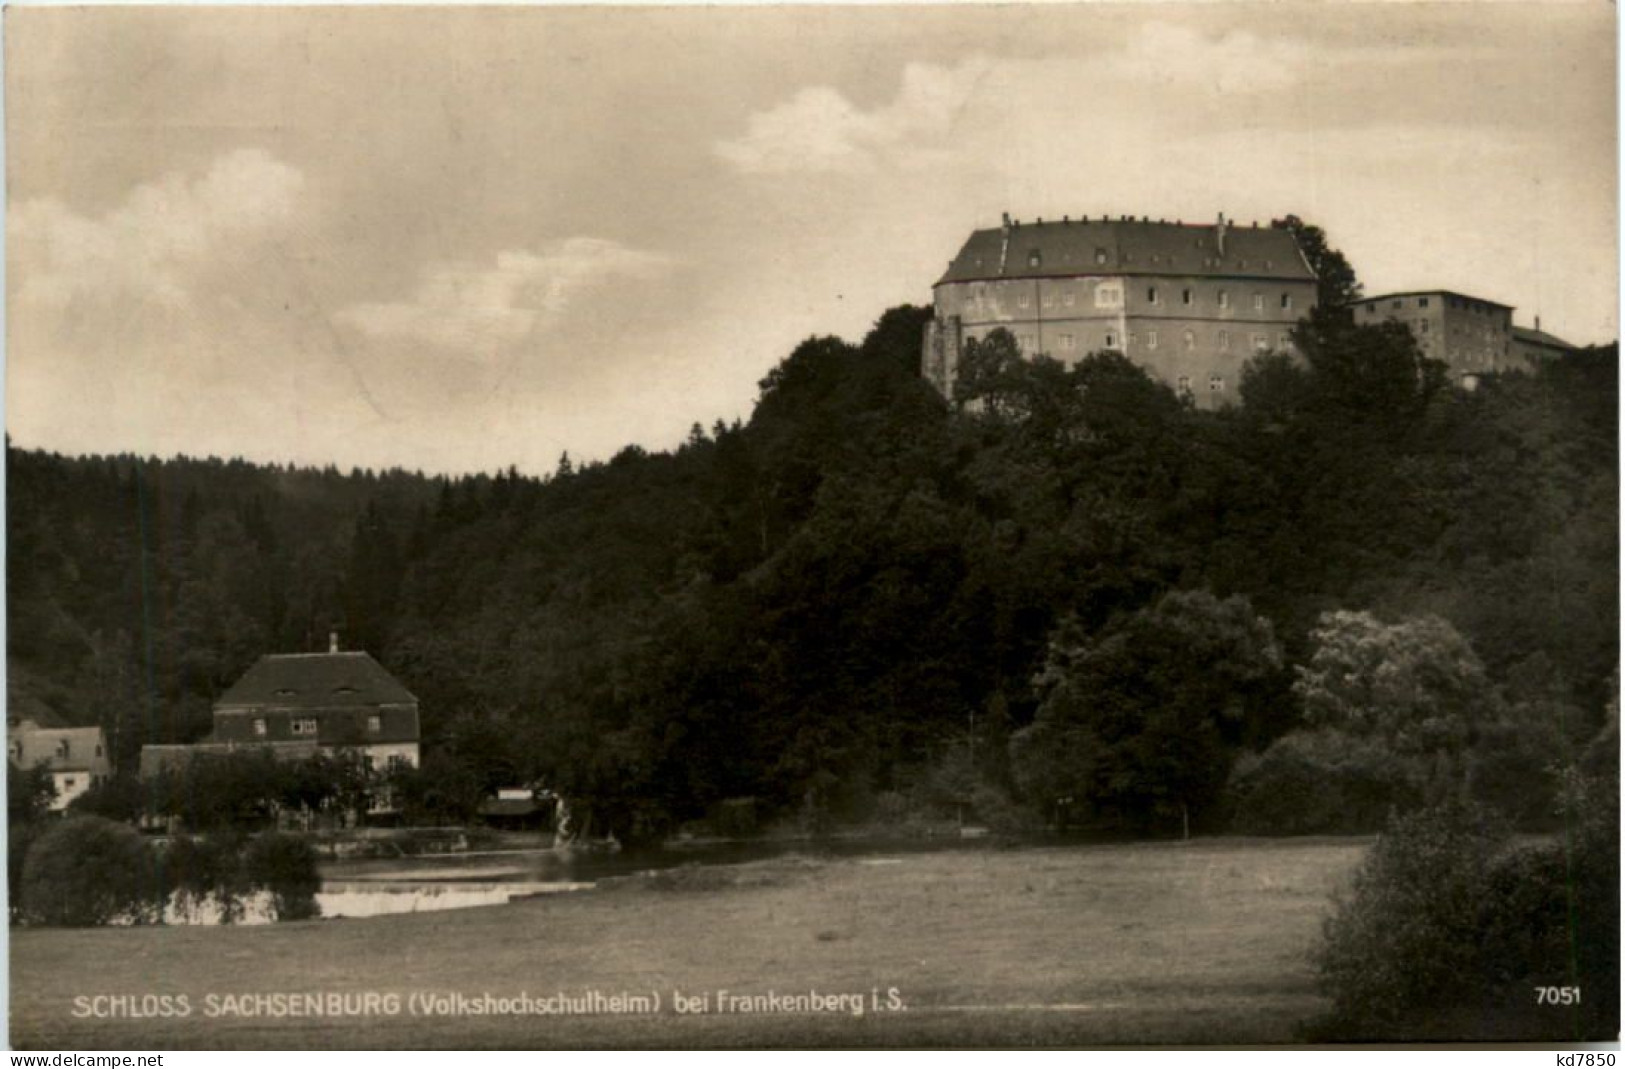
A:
{"points": [[1191, 303]]}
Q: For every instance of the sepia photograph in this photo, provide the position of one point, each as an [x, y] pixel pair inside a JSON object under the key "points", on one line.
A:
{"points": [[926, 526]]}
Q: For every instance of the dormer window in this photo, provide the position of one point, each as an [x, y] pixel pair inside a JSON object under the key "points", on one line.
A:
{"points": [[342, 691], [304, 725], [259, 726], [1035, 258], [1100, 255], [285, 692], [375, 723], [63, 750], [17, 752]]}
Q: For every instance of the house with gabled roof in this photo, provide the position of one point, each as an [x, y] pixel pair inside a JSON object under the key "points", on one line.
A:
{"points": [[297, 705], [76, 757]]}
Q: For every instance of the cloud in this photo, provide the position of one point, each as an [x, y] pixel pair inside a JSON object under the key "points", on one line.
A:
{"points": [[481, 307], [154, 246], [820, 130]]}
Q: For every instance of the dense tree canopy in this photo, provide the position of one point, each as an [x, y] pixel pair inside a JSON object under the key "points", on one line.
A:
{"points": [[816, 608]]}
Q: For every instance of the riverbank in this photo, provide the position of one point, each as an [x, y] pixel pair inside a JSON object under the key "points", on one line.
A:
{"points": [[1200, 942]]}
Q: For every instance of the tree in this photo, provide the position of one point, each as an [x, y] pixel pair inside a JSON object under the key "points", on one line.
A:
{"points": [[1416, 685], [1140, 722], [1337, 284], [88, 871]]}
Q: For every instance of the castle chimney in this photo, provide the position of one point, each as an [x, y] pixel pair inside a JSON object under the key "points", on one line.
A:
{"points": [[1219, 233], [1007, 220], [1537, 322], [332, 642]]}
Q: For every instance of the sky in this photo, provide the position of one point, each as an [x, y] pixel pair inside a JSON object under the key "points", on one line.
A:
{"points": [[458, 239]]}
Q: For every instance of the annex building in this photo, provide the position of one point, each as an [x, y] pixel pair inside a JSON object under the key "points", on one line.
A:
{"points": [[76, 758], [1191, 303]]}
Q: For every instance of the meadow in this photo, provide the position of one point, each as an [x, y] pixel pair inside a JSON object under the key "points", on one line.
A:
{"points": [[1203, 942]]}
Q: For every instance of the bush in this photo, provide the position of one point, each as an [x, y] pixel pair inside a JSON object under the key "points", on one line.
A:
{"points": [[121, 798], [1451, 928], [1320, 782], [89, 871], [284, 865], [198, 872]]}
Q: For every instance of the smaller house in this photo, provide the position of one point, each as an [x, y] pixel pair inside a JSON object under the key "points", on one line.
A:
{"points": [[77, 757]]}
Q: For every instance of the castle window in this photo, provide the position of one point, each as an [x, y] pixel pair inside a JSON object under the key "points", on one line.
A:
{"points": [[1190, 339], [1399, 304], [1215, 383], [259, 726], [1243, 264], [1224, 341], [1421, 302], [1100, 255], [1026, 342], [1109, 295], [1185, 296], [1156, 259], [1224, 298], [1048, 300], [1424, 325], [1261, 343], [1286, 302], [1185, 385], [1023, 300], [1111, 340], [1283, 341], [1151, 295], [1258, 302], [304, 726], [1150, 339], [1070, 298]]}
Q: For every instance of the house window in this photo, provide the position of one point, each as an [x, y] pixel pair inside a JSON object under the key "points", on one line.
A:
{"points": [[1150, 339], [1224, 341], [1190, 339], [375, 723], [1224, 298], [1109, 295], [1215, 383], [1258, 302], [1151, 295], [1286, 302], [304, 725], [1185, 296], [1261, 343], [17, 752], [1184, 384], [69, 783], [1283, 341], [259, 726]]}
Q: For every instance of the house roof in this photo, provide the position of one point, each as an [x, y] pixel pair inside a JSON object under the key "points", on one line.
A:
{"points": [[30, 745], [157, 758], [1531, 336], [315, 681], [1432, 293], [1128, 247]]}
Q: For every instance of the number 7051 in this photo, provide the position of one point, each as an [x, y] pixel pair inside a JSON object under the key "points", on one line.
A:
{"points": [[1557, 996]]}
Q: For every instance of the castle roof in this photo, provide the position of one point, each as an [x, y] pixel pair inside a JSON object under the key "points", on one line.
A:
{"points": [[1534, 336], [1457, 294], [1128, 247], [315, 681]]}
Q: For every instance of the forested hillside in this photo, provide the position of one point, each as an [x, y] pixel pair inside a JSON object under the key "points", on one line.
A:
{"points": [[866, 592]]}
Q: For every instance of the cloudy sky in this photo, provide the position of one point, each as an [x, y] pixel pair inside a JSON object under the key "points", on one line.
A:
{"points": [[460, 238]]}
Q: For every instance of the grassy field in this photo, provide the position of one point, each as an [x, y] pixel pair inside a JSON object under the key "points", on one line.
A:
{"points": [[1202, 942]]}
